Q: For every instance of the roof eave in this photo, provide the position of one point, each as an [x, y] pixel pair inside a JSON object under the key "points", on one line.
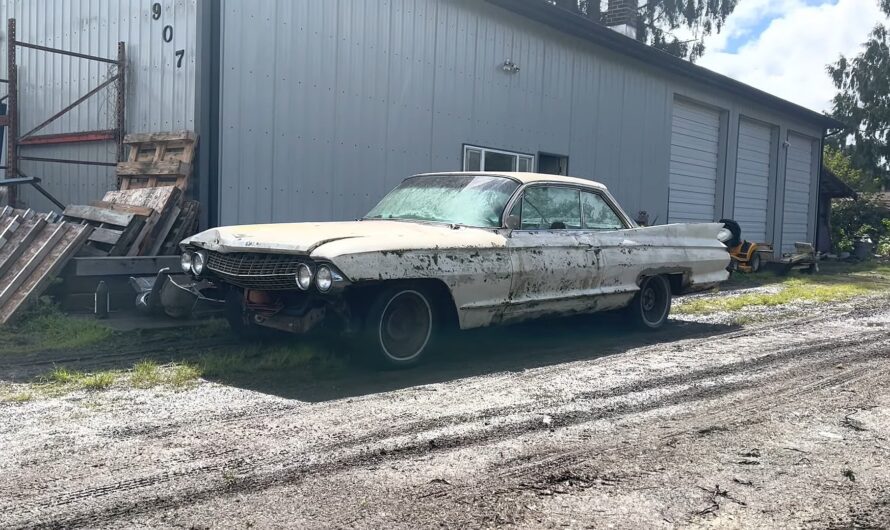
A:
{"points": [[578, 26]]}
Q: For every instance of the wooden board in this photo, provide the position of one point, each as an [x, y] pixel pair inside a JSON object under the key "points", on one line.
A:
{"points": [[186, 225], [157, 159], [142, 138], [99, 215], [115, 232], [161, 200], [163, 168], [119, 207], [38, 263]]}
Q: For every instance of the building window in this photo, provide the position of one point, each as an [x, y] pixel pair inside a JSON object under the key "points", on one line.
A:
{"points": [[553, 164], [484, 159]]}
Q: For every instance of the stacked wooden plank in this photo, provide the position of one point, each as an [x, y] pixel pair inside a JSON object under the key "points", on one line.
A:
{"points": [[165, 204], [147, 215], [158, 159], [33, 249], [115, 229]]}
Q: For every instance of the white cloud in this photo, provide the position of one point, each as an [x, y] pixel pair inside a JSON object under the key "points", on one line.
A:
{"points": [[789, 56]]}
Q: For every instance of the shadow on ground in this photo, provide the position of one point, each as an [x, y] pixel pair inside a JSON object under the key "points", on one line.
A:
{"points": [[473, 353], [316, 370]]}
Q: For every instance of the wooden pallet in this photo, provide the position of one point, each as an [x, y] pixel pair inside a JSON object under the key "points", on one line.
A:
{"points": [[163, 201], [186, 225], [36, 251], [115, 230], [157, 159]]}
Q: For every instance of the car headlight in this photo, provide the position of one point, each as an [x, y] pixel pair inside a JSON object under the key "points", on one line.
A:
{"points": [[199, 259], [185, 261], [324, 279], [304, 276], [724, 235]]}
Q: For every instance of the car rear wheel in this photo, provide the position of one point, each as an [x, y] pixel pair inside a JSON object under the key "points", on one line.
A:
{"points": [[652, 304], [401, 326]]}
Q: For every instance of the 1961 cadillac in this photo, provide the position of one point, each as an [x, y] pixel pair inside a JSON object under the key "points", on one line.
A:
{"points": [[457, 250]]}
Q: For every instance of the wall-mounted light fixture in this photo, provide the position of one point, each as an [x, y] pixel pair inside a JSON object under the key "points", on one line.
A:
{"points": [[510, 67]]}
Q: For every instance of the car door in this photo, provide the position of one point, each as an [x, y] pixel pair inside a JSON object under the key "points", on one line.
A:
{"points": [[553, 267], [613, 246]]}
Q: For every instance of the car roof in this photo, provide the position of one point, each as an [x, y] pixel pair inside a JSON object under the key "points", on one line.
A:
{"points": [[524, 178]]}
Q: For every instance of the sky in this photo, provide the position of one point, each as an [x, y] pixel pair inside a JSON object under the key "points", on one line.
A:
{"points": [[783, 46]]}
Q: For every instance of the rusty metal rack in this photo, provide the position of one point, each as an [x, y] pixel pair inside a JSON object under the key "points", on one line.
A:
{"points": [[15, 143]]}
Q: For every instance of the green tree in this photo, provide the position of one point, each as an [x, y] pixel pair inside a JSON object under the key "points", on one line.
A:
{"points": [[657, 20], [841, 164], [862, 104]]}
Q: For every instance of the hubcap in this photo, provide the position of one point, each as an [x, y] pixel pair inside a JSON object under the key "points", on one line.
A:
{"points": [[649, 299], [653, 300], [405, 325]]}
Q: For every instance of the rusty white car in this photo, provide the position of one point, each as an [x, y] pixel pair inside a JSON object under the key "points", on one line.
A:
{"points": [[457, 250]]}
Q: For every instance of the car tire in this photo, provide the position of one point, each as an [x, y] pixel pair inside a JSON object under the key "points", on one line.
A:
{"points": [[401, 327], [652, 304]]}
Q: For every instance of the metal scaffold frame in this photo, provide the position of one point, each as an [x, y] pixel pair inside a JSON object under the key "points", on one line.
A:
{"points": [[15, 142]]}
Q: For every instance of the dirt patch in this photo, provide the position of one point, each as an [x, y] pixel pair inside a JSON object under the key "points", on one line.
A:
{"points": [[780, 423]]}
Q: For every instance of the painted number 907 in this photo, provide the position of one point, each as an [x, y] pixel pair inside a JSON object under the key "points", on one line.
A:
{"points": [[167, 32]]}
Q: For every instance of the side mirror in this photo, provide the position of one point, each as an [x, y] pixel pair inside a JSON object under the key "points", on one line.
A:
{"points": [[512, 222]]}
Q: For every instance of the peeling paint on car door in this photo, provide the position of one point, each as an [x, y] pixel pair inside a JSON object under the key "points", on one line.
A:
{"points": [[551, 272]]}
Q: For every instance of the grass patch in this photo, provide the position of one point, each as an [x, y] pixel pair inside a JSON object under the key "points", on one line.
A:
{"points": [[62, 380], [45, 328], [184, 375], [836, 282], [100, 381], [286, 359], [63, 376], [18, 397], [146, 374]]}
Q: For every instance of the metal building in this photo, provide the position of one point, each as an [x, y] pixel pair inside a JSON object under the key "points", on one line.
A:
{"points": [[312, 110]]}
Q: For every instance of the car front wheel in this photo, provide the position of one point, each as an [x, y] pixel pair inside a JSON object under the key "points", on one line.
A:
{"points": [[401, 326], [652, 304]]}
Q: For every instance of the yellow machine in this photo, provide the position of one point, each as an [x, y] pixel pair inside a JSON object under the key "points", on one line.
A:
{"points": [[746, 256]]}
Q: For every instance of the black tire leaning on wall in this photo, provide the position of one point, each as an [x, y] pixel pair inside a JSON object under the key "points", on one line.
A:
{"points": [[736, 230]]}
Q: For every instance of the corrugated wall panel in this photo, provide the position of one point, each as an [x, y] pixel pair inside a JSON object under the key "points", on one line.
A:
{"points": [[160, 92], [375, 90], [695, 143], [799, 175], [753, 173]]}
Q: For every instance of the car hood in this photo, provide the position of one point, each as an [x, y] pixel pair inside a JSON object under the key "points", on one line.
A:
{"points": [[337, 238]]}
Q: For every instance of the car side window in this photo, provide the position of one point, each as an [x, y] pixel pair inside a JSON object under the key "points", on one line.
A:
{"points": [[550, 208], [598, 214]]}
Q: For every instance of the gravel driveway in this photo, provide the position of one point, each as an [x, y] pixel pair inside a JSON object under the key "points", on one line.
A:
{"points": [[780, 424]]}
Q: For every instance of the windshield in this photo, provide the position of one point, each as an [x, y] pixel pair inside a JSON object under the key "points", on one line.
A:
{"points": [[465, 200]]}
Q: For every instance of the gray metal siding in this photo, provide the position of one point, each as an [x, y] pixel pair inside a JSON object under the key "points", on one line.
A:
{"points": [[695, 143], [326, 105], [799, 176], [318, 121], [752, 186], [160, 96]]}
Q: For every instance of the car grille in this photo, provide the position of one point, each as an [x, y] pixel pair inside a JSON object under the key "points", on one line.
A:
{"points": [[256, 271]]}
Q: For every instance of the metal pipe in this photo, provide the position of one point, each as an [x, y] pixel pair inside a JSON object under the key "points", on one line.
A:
{"points": [[36, 183], [12, 110], [65, 52], [67, 161], [62, 112], [70, 138]]}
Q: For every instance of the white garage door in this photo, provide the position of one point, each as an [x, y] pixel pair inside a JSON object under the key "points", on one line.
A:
{"points": [[798, 177], [693, 173], [752, 179]]}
